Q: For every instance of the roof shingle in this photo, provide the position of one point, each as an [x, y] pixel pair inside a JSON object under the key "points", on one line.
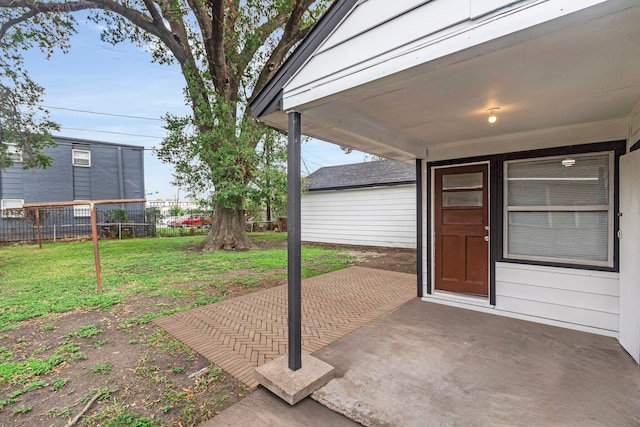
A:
{"points": [[367, 174]]}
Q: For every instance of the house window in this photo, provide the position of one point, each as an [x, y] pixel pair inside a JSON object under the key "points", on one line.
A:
{"points": [[560, 209], [12, 208], [14, 152], [81, 211], [81, 158]]}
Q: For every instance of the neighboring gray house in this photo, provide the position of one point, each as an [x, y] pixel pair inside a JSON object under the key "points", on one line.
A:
{"points": [[371, 203], [80, 170]]}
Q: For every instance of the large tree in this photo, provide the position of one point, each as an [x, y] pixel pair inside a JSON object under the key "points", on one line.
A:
{"points": [[227, 50]]}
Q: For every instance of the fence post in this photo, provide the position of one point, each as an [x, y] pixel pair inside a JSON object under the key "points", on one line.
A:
{"points": [[38, 228], [96, 251]]}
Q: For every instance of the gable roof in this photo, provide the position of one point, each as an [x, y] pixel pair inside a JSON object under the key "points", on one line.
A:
{"points": [[269, 99], [360, 175]]}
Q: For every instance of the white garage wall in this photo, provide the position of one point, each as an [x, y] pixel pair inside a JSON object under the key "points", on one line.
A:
{"points": [[378, 216]]}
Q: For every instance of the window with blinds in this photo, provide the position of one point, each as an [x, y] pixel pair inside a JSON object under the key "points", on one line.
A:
{"points": [[560, 209], [81, 158]]}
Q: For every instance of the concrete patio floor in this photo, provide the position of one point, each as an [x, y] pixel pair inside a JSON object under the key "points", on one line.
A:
{"points": [[421, 364], [431, 365]]}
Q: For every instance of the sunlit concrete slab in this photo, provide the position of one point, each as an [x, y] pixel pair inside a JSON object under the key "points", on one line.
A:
{"points": [[430, 364]]}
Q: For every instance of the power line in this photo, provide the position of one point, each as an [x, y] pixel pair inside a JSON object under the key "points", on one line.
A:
{"points": [[103, 114], [318, 157], [112, 132]]}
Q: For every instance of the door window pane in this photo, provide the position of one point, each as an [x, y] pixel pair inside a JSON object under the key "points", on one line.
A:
{"points": [[462, 181], [461, 198]]}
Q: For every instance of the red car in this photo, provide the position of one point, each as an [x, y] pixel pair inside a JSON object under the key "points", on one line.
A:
{"points": [[191, 220]]}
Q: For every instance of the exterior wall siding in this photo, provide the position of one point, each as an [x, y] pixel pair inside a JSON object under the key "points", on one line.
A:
{"points": [[57, 178], [580, 297], [63, 182], [379, 216], [105, 178], [133, 173], [12, 183], [81, 183]]}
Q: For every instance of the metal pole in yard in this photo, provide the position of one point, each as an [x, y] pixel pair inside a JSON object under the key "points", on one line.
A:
{"points": [[38, 228], [96, 250], [294, 243]]}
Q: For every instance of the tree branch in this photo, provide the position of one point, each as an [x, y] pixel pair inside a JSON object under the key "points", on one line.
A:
{"points": [[10, 23], [218, 58], [155, 15], [292, 34]]}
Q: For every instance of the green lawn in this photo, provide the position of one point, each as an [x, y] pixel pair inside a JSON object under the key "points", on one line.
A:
{"points": [[61, 276]]}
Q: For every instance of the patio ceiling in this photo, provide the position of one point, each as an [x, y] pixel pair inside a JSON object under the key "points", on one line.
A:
{"points": [[582, 68]]}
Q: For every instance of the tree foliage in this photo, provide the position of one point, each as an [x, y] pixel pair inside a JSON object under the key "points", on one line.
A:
{"points": [[227, 50], [23, 123]]}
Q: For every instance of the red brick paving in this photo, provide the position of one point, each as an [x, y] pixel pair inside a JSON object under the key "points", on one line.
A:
{"points": [[244, 332]]}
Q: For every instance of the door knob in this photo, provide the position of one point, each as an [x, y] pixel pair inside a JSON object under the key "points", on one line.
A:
{"points": [[486, 238]]}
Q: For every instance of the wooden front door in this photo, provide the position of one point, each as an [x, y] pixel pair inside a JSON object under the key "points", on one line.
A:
{"points": [[461, 230]]}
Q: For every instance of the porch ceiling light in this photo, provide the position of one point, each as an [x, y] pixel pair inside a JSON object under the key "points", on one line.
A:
{"points": [[492, 115], [568, 162]]}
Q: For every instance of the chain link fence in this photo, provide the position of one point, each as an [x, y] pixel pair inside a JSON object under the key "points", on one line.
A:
{"points": [[73, 223]]}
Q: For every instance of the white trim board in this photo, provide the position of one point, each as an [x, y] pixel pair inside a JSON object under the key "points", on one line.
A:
{"points": [[513, 315]]}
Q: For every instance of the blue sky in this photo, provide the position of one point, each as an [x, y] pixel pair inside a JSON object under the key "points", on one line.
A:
{"points": [[98, 77]]}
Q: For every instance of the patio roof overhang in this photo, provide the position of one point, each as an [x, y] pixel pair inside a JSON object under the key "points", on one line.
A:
{"points": [[582, 69]]}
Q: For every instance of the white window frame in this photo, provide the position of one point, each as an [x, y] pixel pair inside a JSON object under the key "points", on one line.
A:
{"points": [[609, 208], [12, 210], [83, 155], [14, 152], [81, 211]]}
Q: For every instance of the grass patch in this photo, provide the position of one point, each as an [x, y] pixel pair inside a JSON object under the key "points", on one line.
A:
{"points": [[268, 237], [102, 368], [60, 412], [60, 277], [85, 332], [32, 367], [57, 384], [70, 349], [118, 415], [161, 339], [22, 410], [11, 398]]}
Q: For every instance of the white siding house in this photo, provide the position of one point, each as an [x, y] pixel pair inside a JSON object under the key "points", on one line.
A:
{"points": [[370, 204], [523, 119]]}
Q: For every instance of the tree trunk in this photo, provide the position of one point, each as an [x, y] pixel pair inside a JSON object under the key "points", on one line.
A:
{"points": [[227, 232]]}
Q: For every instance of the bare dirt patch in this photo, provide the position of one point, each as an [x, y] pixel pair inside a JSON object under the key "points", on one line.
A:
{"points": [[393, 259], [141, 374]]}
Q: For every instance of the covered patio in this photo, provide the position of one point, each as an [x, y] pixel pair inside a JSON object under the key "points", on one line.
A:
{"points": [[522, 119], [430, 364], [403, 361]]}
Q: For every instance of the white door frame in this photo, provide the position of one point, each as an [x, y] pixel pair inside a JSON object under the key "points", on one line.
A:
{"points": [[484, 301]]}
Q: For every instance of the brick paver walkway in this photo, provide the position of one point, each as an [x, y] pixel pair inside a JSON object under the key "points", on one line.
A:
{"points": [[242, 333]]}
